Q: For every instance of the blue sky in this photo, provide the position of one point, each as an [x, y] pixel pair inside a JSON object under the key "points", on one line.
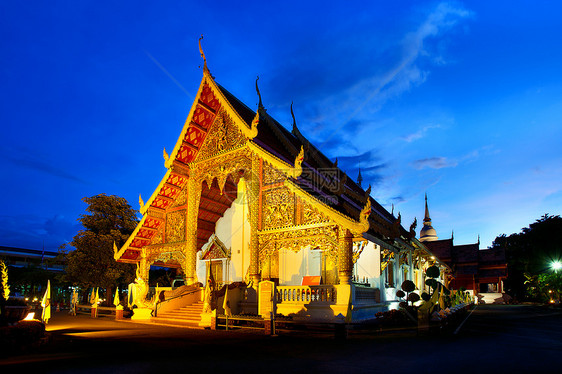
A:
{"points": [[459, 100]]}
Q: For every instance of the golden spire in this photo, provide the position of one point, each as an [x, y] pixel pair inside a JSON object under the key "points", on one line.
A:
{"points": [[205, 68]]}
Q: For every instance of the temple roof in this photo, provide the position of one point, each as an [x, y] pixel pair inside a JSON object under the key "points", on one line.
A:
{"points": [[320, 178], [276, 139]]}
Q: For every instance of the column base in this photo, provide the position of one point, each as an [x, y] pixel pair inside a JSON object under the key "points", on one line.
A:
{"points": [[141, 314]]}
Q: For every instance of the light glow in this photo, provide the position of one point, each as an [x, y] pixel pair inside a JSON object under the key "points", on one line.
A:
{"points": [[556, 265], [30, 316]]}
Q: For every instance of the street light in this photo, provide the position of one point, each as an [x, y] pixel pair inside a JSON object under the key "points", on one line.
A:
{"points": [[556, 265]]}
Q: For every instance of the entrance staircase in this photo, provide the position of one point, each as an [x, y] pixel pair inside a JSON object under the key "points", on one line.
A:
{"points": [[188, 316]]}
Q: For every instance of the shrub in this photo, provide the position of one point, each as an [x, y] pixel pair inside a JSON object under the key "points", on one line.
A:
{"points": [[408, 286]]}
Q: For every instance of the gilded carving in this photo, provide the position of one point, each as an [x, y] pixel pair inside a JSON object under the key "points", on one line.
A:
{"points": [[403, 259], [159, 237], [279, 208], [223, 136], [386, 257], [222, 166], [175, 226], [358, 248], [324, 237], [311, 215], [181, 199], [271, 175]]}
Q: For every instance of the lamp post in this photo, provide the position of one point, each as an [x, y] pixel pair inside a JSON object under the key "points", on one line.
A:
{"points": [[555, 266]]}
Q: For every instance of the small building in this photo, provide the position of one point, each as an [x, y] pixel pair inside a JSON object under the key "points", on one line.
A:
{"points": [[24, 258], [480, 271], [29, 269]]}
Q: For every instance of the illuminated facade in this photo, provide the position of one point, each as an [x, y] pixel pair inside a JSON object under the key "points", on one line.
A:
{"points": [[246, 201]]}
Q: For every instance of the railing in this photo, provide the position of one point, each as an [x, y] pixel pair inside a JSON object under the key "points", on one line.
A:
{"points": [[306, 294], [188, 290], [367, 295]]}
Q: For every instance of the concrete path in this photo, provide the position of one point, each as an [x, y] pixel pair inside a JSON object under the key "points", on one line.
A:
{"points": [[495, 339]]}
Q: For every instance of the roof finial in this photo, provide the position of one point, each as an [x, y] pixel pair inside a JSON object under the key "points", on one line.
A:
{"points": [[478, 239], [452, 234], [294, 120], [205, 68], [359, 178], [260, 105], [392, 210], [336, 163]]}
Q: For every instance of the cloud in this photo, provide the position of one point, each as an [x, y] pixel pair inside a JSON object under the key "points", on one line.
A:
{"points": [[370, 164], [32, 162], [32, 231], [406, 73], [434, 163], [419, 134]]}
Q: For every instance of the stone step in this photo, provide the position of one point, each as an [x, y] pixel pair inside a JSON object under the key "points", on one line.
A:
{"points": [[179, 315], [175, 322], [187, 316]]}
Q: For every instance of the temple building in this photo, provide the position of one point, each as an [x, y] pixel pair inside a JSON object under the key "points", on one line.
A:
{"points": [[248, 205], [480, 271]]}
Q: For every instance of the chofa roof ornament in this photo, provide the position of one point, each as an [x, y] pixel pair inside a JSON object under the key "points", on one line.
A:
{"points": [[205, 68]]}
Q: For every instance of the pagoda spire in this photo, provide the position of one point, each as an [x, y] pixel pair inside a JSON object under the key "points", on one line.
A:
{"points": [[359, 178], [426, 217], [427, 233]]}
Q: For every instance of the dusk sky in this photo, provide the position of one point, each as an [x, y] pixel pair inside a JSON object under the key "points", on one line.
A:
{"points": [[462, 100]]}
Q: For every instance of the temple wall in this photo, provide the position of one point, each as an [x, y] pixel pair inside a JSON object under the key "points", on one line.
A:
{"points": [[294, 265], [369, 264], [233, 229]]}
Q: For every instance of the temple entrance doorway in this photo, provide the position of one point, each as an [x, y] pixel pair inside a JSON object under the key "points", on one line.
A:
{"points": [[216, 271]]}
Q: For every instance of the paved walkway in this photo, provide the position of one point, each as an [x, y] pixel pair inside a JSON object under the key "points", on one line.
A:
{"points": [[495, 339]]}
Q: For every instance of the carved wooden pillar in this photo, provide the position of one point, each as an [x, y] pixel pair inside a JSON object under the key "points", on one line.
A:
{"points": [[193, 197], [252, 194], [345, 256], [144, 266]]}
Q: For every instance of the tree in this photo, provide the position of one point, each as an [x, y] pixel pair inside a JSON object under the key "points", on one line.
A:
{"points": [[110, 219], [530, 253]]}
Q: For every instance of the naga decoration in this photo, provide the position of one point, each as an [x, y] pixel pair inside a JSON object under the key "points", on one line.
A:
{"points": [[139, 290], [413, 228], [260, 105], [296, 171], [396, 226], [363, 224], [141, 202]]}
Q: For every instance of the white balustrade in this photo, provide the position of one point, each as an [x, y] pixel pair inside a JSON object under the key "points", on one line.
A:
{"points": [[306, 294]]}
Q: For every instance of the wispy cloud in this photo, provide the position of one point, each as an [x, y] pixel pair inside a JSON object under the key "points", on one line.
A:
{"points": [[419, 134], [33, 162], [406, 73], [28, 231], [444, 162], [434, 163]]}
